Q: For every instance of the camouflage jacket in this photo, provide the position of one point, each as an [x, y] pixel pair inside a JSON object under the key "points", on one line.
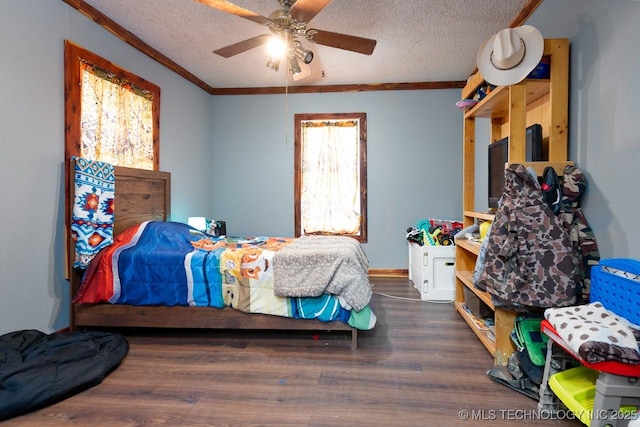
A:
{"points": [[528, 259], [583, 240]]}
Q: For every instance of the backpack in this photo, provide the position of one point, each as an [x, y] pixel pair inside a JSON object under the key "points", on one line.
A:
{"points": [[551, 189]]}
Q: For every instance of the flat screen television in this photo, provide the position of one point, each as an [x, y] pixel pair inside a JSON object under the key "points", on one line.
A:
{"points": [[499, 155]]}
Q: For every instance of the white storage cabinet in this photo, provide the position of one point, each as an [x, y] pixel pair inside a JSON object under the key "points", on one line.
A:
{"points": [[432, 271]]}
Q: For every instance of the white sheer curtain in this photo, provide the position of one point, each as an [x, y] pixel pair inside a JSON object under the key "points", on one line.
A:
{"points": [[117, 120], [330, 200]]}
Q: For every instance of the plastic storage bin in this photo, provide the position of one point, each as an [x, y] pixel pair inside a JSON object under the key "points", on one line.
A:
{"points": [[576, 388], [615, 282], [432, 271]]}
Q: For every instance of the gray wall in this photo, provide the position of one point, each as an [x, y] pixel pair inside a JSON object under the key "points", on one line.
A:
{"points": [[414, 146], [33, 288], [414, 153], [603, 116]]}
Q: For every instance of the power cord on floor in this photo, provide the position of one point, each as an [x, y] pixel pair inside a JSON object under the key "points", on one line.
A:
{"points": [[411, 299]]}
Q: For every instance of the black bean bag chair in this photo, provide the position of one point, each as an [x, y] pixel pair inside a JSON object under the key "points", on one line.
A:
{"points": [[38, 369]]}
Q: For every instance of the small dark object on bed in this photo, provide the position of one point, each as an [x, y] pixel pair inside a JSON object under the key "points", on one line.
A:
{"points": [[218, 228]]}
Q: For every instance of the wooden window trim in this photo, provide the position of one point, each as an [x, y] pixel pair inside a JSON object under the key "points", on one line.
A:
{"points": [[74, 54], [298, 118]]}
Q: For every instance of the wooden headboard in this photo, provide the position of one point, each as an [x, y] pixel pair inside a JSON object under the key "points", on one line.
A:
{"points": [[140, 195]]}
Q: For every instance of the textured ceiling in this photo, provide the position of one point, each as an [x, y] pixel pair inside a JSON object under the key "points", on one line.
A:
{"points": [[418, 40]]}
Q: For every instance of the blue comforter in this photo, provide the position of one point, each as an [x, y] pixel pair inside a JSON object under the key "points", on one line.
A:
{"points": [[170, 263]]}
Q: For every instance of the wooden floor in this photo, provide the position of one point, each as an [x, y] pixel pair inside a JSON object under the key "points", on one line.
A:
{"points": [[420, 366]]}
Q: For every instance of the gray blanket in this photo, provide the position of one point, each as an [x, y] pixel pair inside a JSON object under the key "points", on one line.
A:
{"points": [[313, 265]]}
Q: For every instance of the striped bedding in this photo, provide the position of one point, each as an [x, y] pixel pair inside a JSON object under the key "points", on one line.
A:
{"points": [[170, 263]]}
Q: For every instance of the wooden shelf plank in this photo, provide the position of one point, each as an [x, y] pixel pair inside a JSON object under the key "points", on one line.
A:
{"points": [[467, 278], [487, 216], [483, 336], [469, 245], [496, 104], [539, 167]]}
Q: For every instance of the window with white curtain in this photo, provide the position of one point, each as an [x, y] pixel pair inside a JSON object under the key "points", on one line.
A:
{"points": [[330, 174], [111, 114]]}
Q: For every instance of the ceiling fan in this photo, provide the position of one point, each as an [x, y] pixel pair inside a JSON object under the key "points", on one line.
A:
{"points": [[289, 25]]}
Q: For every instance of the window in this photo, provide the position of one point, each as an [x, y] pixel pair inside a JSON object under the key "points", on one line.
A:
{"points": [[330, 189], [111, 115]]}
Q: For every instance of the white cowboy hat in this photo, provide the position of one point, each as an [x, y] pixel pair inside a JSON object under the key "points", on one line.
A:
{"points": [[507, 57]]}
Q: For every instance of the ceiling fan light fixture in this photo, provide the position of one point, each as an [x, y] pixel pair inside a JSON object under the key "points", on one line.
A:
{"points": [[287, 25], [274, 64], [294, 67], [306, 72], [276, 47], [305, 55]]}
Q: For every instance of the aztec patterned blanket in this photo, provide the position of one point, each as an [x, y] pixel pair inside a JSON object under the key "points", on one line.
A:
{"points": [[92, 216], [170, 263]]}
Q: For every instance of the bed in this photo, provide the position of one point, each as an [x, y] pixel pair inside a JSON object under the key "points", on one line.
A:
{"points": [[142, 206]]}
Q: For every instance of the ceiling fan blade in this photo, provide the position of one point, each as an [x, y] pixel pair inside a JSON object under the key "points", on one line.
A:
{"points": [[243, 46], [306, 10], [344, 41], [231, 8]]}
